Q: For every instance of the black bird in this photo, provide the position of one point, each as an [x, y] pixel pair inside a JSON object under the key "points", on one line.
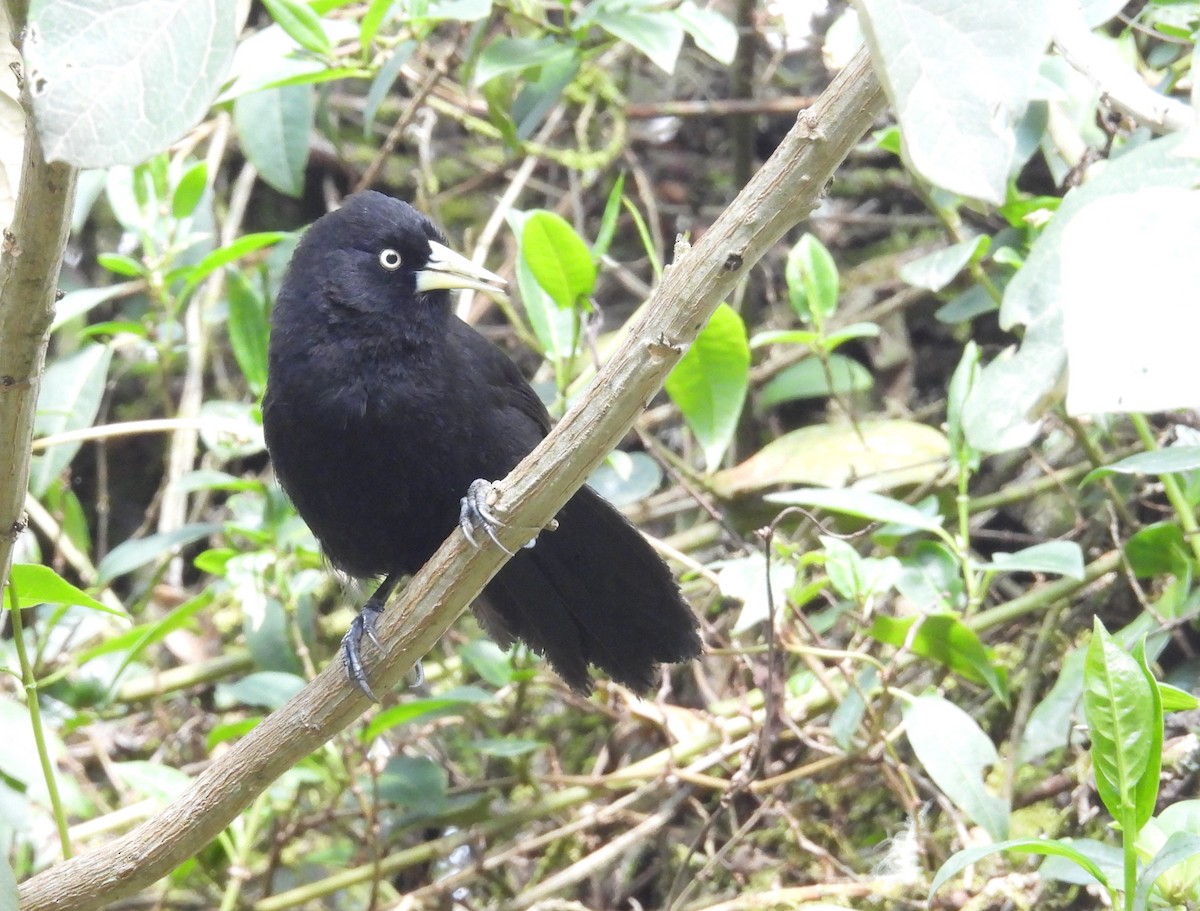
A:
{"points": [[387, 417]]}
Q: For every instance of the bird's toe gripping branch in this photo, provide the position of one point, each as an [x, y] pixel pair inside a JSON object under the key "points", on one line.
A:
{"points": [[363, 625], [475, 513]]}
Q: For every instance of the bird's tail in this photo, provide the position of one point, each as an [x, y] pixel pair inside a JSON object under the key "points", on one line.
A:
{"points": [[592, 592]]}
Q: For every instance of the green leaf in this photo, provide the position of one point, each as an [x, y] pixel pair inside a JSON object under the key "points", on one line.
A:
{"points": [[961, 382], [658, 35], [300, 22], [957, 753], [373, 18], [1063, 558], [860, 503], [116, 83], [1180, 847], [608, 222], [1146, 793], [136, 552], [855, 576], [931, 579], [454, 702], [812, 280], [506, 748], [1158, 550], [416, 782], [248, 329], [514, 55], [223, 256], [537, 98], [712, 32], [123, 265], [809, 379], [273, 127], [36, 584], [558, 259], [1175, 699], [709, 383], [1159, 461], [382, 84], [963, 859], [462, 10], [190, 190], [947, 640], [936, 270], [264, 689], [69, 399], [1118, 703]]}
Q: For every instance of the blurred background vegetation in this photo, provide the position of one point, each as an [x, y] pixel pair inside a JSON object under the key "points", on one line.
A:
{"points": [[855, 425]]}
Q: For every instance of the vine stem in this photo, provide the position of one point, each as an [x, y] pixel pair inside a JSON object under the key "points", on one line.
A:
{"points": [[35, 719]]}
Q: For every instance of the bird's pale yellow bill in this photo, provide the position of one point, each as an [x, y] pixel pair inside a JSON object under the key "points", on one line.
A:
{"points": [[449, 270]]}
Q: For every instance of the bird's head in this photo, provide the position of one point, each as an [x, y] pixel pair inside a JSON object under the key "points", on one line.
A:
{"points": [[376, 254]]}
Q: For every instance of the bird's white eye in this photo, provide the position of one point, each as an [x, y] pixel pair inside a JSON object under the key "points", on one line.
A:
{"points": [[390, 259]]}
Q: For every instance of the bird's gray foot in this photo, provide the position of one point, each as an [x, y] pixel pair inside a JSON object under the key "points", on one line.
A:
{"points": [[362, 625]]}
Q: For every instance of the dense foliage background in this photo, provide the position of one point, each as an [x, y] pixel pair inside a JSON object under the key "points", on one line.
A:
{"points": [[876, 423]]}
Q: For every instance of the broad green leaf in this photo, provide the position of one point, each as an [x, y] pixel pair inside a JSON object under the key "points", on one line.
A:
{"points": [[1064, 558], [936, 270], [537, 98], [137, 552], [462, 10], [36, 584], [809, 379], [1052, 720], [958, 80], [626, 477], [812, 280], [712, 32], [931, 579], [274, 126], [860, 503], [956, 754], [152, 779], [69, 399], [1118, 703], [300, 22], [1047, 847], [657, 34], [745, 579], [945, 639], [514, 55], [709, 383], [558, 259], [190, 190], [264, 689], [414, 781], [1158, 550], [114, 83], [855, 576], [1159, 461]]}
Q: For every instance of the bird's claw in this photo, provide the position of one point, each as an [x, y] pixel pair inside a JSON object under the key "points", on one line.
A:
{"points": [[475, 512], [362, 625]]}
